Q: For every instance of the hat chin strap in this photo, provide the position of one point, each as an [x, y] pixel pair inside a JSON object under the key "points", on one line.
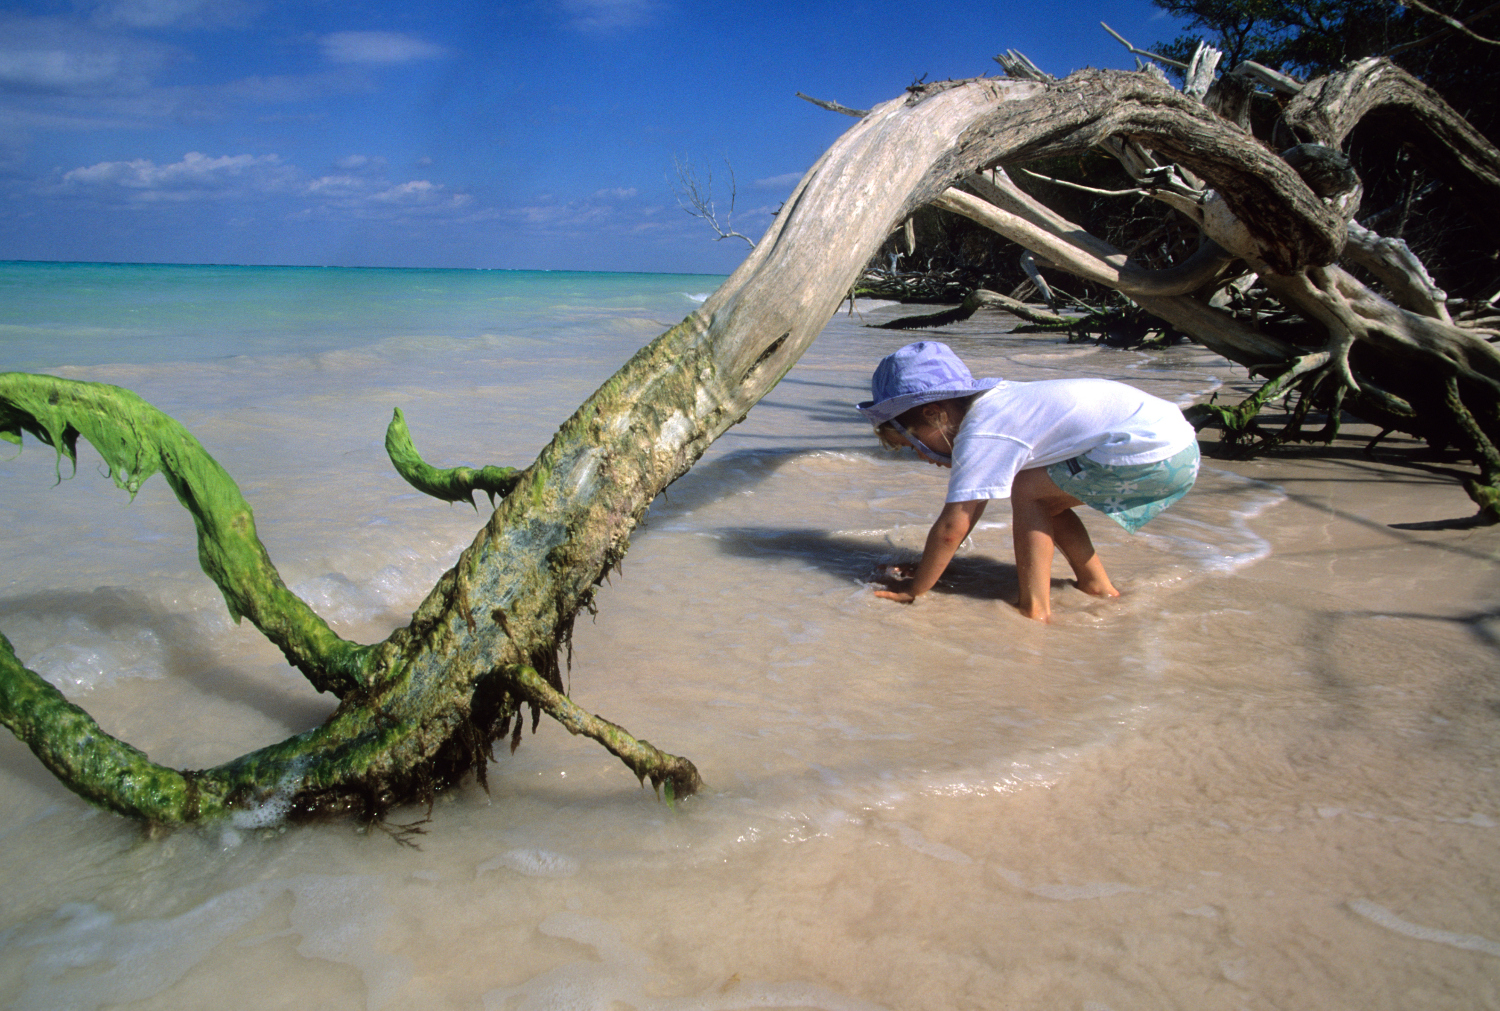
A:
{"points": [[921, 447]]}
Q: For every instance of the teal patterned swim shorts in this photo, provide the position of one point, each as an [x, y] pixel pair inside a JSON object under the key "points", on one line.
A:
{"points": [[1133, 495]]}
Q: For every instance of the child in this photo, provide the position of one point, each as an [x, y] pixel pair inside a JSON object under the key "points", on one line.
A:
{"points": [[1048, 446]]}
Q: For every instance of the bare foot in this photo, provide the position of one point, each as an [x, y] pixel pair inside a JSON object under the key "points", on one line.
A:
{"points": [[1036, 612], [1097, 588]]}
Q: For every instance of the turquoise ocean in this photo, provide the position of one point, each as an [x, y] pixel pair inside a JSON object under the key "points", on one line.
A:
{"points": [[55, 314], [1263, 778]]}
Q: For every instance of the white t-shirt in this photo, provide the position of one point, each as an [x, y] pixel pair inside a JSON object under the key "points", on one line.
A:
{"points": [[1017, 426]]}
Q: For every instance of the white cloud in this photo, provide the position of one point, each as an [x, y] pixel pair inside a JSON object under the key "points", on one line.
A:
{"points": [[195, 177], [47, 56], [357, 162], [270, 186], [605, 15], [608, 211], [419, 192], [337, 185], [175, 13], [378, 47], [785, 181], [563, 216], [359, 197], [286, 89], [57, 69]]}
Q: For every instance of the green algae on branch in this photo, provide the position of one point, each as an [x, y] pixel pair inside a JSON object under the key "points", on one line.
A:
{"points": [[99, 768], [136, 441], [418, 711], [455, 484], [679, 776]]}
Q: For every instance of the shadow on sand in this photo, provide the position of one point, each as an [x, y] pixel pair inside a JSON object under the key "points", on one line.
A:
{"points": [[857, 560]]}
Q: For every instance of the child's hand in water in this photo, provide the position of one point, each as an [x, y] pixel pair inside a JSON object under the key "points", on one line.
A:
{"points": [[895, 577]]}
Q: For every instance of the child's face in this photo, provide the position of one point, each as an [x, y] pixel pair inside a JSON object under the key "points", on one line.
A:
{"points": [[934, 442]]}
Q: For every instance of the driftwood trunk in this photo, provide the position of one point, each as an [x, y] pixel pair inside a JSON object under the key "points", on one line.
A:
{"points": [[424, 707], [1284, 225]]}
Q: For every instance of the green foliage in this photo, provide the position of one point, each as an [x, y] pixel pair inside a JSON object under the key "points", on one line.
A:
{"points": [[1310, 38], [1304, 37]]}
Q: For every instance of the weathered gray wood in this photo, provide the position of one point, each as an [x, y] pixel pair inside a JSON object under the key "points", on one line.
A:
{"points": [[1022, 69], [955, 201], [1397, 267], [1112, 268], [1274, 80], [1200, 72], [1287, 224], [842, 110], [1028, 221], [1329, 109]]}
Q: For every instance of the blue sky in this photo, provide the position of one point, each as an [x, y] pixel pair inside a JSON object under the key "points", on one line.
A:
{"points": [[452, 133]]}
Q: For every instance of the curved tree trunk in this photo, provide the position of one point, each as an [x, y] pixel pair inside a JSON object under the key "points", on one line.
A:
{"points": [[1399, 361], [422, 708]]}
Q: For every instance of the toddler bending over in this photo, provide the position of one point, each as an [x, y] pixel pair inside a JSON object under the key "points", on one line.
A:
{"points": [[1048, 446]]}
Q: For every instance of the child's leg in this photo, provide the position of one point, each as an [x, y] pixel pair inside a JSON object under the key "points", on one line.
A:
{"points": [[1044, 520], [1078, 548]]}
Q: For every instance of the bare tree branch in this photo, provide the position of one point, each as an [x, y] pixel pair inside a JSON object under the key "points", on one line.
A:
{"points": [[1082, 188], [1454, 25], [696, 197], [1274, 80], [1142, 52], [834, 106], [1017, 65]]}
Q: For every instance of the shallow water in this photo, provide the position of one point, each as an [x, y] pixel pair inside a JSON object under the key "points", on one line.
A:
{"points": [[1265, 777]]}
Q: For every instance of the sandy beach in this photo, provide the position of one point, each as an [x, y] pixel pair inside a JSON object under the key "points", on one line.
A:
{"points": [[1263, 778]]}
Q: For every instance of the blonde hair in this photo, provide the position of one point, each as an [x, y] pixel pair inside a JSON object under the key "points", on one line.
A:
{"points": [[886, 431]]}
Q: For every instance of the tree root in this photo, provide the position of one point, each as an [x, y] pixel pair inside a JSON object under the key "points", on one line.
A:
{"points": [[1486, 490], [1304, 376], [972, 303]]}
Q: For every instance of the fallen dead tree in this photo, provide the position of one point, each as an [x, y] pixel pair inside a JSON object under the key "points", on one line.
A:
{"points": [[975, 300], [1284, 280], [422, 709]]}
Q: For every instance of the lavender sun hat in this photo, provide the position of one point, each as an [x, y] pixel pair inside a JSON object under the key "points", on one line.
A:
{"points": [[918, 374]]}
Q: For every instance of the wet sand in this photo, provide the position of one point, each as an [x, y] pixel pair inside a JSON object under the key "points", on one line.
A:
{"points": [[1264, 778]]}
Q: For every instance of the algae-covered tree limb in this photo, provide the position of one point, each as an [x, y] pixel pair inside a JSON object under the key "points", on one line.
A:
{"points": [[422, 708]]}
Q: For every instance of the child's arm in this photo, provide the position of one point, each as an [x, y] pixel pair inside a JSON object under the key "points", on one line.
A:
{"points": [[952, 526]]}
